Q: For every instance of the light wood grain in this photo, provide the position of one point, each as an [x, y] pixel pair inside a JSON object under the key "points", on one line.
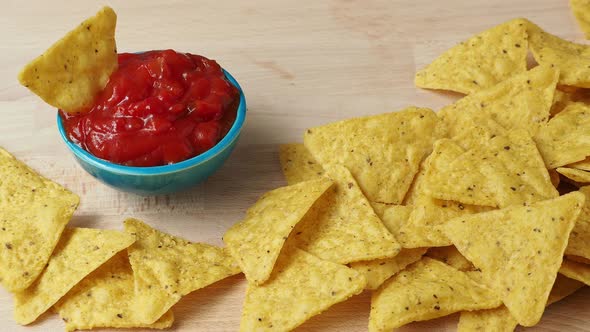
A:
{"points": [[302, 63]]}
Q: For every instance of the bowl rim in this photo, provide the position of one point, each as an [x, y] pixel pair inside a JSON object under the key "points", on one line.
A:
{"points": [[225, 143]]}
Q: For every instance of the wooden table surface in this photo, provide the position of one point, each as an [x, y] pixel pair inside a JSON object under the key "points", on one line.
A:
{"points": [[301, 63]]}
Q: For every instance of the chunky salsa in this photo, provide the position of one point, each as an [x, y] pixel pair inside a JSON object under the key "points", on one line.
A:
{"points": [[158, 108]]}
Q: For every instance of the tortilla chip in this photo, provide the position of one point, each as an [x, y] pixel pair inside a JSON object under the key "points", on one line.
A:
{"points": [[479, 62], [566, 138], [342, 227], [520, 102], [73, 71], [106, 298], [581, 10], [79, 252], [255, 242], [572, 60], [500, 319], [392, 216], [378, 271], [33, 214], [382, 152], [298, 164], [166, 268], [505, 170], [576, 271], [582, 165], [300, 287], [451, 256], [576, 175], [498, 242], [426, 290]]}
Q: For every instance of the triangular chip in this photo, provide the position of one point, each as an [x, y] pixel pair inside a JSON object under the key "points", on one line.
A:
{"points": [[300, 287], [479, 62], [73, 71], [33, 214], [573, 174], [566, 138], [583, 165], [572, 60], [521, 102], [298, 164], [499, 242], [451, 256], [426, 290], [576, 271], [79, 252], [579, 242], [256, 241], [383, 152], [500, 320], [166, 268], [379, 270], [106, 299], [342, 227], [506, 170], [581, 10]]}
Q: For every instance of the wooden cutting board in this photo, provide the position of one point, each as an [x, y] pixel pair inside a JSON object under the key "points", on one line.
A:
{"points": [[302, 63]]}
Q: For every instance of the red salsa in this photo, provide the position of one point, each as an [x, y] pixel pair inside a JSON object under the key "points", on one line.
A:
{"points": [[158, 108]]}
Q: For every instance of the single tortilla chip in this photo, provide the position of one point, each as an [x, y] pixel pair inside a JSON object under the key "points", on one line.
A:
{"points": [[342, 227], [79, 252], [167, 267], [106, 299], [498, 242], [426, 290], [582, 165], [33, 214], [451, 256], [74, 70], [393, 217], [573, 174], [298, 164], [581, 10], [520, 102], [383, 152], [566, 138], [378, 271], [480, 62], [256, 241], [500, 319], [576, 271], [300, 287], [572, 60], [503, 171]]}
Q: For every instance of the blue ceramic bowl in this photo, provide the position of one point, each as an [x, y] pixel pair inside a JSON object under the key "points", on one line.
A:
{"points": [[166, 179]]}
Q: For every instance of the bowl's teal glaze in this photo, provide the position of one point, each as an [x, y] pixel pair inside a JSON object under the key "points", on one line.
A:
{"points": [[166, 179]]}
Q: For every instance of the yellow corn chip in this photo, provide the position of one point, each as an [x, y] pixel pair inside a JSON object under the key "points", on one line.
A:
{"points": [[572, 60], [106, 298], [33, 214], [382, 152], [79, 252], [166, 268], [298, 164], [581, 9], [520, 102], [577, 175], [392, 216], [72, 72], [256, 241], [583, 165], [566, 138], [576, 271], [479, 62], [500, 319], [342, 227], [451, 256], [498, 242], [301, 287], [504, 171], [378, 271], [426, 290]]}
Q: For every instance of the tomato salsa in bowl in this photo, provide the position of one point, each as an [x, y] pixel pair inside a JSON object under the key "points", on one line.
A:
{"points": [[164, 122]]}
